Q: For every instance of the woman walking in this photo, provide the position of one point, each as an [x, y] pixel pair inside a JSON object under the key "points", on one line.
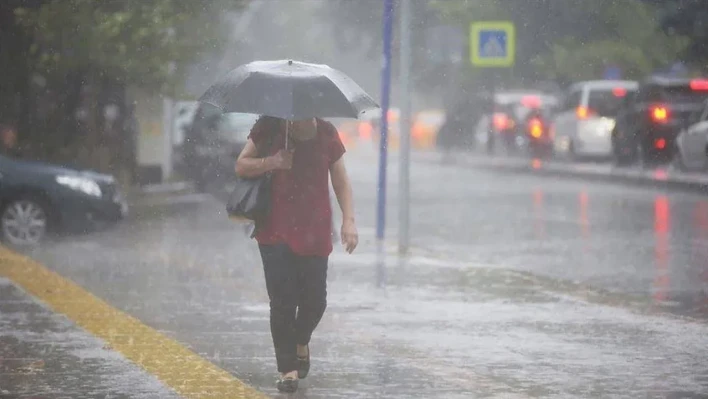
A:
{"points": [[295, 239]]}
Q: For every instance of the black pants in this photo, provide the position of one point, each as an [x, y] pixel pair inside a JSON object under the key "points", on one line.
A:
{"points": [[297, 288]]}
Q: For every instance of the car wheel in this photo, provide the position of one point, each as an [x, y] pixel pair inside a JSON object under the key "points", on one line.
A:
{"points": [[645, 157], [24, 222], [572, 153]]}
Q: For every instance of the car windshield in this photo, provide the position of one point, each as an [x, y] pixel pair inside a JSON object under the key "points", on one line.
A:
{"points": [[235, 127], [608, 101]]}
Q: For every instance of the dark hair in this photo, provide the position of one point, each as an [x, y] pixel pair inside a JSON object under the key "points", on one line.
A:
{"points": [[270, 123]]}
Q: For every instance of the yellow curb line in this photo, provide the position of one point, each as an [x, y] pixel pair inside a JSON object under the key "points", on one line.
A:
{"points": [[177, 367]]}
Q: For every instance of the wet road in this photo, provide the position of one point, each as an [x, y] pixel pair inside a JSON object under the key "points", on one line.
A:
{"points": [[518, 286], [647, 243]]}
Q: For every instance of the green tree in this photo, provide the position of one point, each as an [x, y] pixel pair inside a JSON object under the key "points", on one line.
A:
{"points": [[139, 42], [81, 55], [688, 18]]}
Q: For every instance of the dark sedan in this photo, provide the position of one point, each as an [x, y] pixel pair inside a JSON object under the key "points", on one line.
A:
{"points": [[38, 198], [649, 121]]}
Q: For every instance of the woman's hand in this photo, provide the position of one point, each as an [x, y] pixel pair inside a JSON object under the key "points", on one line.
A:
{"points": [[350, 236], [282, 160]]}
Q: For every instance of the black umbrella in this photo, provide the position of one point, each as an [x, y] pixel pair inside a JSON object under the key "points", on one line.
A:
{"points": [[290, 90]]}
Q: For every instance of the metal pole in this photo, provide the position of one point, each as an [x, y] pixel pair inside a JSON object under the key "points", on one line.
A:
{"points": [[404, 160], [385, 92], [168, 122]]}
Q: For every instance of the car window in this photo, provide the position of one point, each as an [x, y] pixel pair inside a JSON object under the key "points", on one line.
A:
{"points": [[572, 100], [683, 94], [607, 102], [649, 94]]}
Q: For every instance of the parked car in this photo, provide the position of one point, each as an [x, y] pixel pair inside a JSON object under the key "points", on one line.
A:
{"points": [[39, 198], [536, 127], [213, 142], [692, 143], [583, 124], [425, 126], [511, 120], [649, 122]]}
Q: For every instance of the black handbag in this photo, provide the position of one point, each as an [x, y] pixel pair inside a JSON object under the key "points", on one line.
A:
{"points": [[250, 198]]}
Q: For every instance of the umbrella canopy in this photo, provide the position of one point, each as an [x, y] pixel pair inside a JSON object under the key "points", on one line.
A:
{"points": [[290, 90]]}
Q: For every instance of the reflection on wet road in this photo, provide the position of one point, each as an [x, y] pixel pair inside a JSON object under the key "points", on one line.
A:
{"points": [[641, 242], [517, 287]]}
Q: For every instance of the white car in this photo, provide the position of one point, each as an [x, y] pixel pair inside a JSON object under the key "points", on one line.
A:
{"points": [[692, 143], [586, 117]]}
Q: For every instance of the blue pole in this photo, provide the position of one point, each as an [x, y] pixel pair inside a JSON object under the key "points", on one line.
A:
{"points": [[383, 142]]}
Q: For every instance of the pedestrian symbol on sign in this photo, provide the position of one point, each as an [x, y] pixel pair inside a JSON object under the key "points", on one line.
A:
{"points": [[492, 44]]}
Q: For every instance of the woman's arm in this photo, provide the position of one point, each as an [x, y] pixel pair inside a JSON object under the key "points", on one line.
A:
{"points": [[343, 190], [249, 164]]}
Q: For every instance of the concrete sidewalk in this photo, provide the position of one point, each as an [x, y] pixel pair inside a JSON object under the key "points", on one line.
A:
{"points": [[45, 355]]}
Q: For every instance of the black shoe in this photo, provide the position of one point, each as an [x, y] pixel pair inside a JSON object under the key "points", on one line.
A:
{"points": [[288, 385], [303, 364]]}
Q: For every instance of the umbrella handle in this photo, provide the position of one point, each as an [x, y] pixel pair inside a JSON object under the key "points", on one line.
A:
{"points": [[287, 125]]}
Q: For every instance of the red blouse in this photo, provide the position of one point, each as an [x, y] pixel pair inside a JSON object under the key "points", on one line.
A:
{"points": [[301, 214]]}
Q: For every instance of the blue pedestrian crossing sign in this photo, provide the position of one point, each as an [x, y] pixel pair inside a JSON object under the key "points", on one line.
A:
{"points": [[492, 44]]}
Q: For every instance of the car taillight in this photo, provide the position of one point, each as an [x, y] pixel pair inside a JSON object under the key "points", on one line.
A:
{"points": [[699, 85], [584, 112], [531, 101], [659, 113], [536, 128], [365, 130], [660, 144], [619, 92], [501, 121]]}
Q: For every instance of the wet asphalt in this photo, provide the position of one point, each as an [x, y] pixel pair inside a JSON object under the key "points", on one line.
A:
{"points": [[516, 286]]}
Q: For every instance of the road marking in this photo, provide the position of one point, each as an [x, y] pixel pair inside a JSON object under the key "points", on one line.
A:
{"points": [[177, 367]]}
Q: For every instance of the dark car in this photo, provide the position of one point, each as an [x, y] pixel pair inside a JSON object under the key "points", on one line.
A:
{"points": [[37, 198], [649, 121], [213, 142], [536, 126], [519, 121]]}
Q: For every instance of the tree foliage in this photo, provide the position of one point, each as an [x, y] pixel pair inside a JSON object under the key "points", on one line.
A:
{"points": [[139, 42], [690, 19], [66, 62]]}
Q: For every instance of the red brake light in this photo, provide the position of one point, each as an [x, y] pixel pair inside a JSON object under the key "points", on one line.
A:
{"points": [[536, 128], [660, 144], [659, 113], [619, 92], [531, 101], [501, 121], [584, 112], [699, 84]]}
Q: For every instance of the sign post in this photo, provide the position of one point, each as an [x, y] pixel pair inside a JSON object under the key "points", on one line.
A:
{"points": [[385, 95], [405, 132], [492, 45]]}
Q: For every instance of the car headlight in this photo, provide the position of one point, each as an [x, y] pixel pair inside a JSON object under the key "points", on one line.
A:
{"points": [[86, 186]]}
